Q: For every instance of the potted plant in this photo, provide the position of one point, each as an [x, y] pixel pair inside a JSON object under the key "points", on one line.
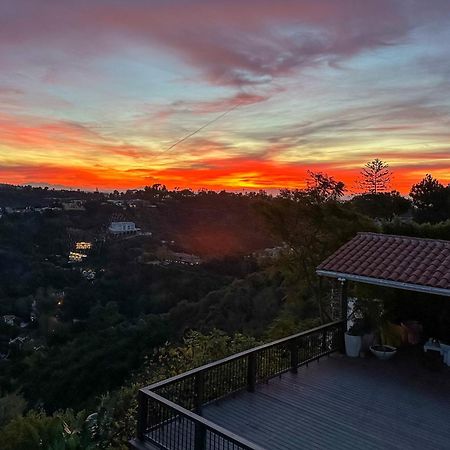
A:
{"points": [[445, 346], [383, 352], [353, 339], [444, 336], [367, 313]]}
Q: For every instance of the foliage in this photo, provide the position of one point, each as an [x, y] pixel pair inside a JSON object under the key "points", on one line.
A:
{"points": [[383, 205], [376, 177], [91, 364], [286, 324], [37, 431], [439, 230], [431, 200], [322, 187], [247, 305], [312, 227], [11, 406]]}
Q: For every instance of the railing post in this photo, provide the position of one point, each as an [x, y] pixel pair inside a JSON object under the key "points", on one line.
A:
{"points": [[142, 419], [344, 311], [200, 436], [324, 341], [199, 383], [251, 372], [294, 355]]}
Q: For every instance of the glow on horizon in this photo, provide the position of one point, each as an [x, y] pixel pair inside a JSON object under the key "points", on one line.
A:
{"points": [[92, 94]]}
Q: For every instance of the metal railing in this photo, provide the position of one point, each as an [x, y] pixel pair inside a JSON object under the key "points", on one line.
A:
{"points": [[169, 412]]}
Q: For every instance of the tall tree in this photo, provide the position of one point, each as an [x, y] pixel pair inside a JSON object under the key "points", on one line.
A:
{"points": [[376, 177], [431, 200], [322, 187], [311, 224]]}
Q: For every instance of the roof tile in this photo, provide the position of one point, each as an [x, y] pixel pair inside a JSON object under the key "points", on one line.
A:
{"points": [[397, 258]]}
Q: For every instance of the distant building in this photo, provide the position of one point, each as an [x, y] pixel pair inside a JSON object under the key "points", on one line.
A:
{"points": [[83, 245], [75, 257], [73, 205], [116, 202], [181, 258], [119, 228]]}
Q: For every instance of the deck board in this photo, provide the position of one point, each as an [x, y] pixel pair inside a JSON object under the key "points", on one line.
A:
{"points": [[340, 403]]}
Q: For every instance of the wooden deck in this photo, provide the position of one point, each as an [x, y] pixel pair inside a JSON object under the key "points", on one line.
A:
{"points": [[343, 403]]}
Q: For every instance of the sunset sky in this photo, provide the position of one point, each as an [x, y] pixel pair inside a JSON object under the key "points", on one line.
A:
{"points": [[94, 92]]}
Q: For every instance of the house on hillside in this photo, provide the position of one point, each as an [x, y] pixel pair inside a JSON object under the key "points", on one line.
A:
{"points": [[73, 205], [10, 319], [123, 228]]}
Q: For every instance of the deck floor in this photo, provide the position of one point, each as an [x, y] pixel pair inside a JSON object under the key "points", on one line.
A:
{"points": [[342, 403]]}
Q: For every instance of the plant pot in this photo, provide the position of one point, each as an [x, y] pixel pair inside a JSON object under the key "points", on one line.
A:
{"points": [[383, 352], [352, 345], [445, 353]]}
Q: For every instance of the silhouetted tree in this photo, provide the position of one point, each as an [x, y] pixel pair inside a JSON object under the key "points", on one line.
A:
{"points": [[311, 224], [323, 187], [431, 200], [384, 205], [376, 177]]}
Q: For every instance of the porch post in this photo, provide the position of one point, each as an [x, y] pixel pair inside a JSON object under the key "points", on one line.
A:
{"points": [[344, 309]]}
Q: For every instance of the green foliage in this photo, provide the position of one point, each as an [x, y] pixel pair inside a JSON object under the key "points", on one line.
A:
{"points": [[247, 306], [286, 324], [37, 431], [311, 229], [11, 406], [425, 230], [91, 364], [431, 200], [383, 205]]}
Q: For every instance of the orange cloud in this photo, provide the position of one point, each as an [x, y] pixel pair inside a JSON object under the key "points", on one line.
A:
{"points": [[230, 174]]}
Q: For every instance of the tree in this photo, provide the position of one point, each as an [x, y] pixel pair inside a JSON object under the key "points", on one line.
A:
{"points": [[376, 177], [431, 200], [323, 187], [384, 205], [312, 224]]}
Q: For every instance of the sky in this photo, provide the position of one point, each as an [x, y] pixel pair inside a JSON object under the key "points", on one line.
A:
{"points": [[94, 93]]}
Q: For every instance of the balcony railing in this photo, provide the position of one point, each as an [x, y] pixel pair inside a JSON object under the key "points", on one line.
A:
{"points": [[169, 412]]}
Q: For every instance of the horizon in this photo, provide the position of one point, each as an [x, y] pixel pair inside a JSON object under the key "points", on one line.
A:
{"points": [[97, 95]]}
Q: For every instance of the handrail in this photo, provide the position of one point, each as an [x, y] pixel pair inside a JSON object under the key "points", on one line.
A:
{"points": [[169, 411], [239, 355], [232, 437]]}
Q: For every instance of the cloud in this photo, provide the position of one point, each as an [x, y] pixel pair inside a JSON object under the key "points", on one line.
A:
{"points": [[63, 60], [74, 140], [232, 43]]}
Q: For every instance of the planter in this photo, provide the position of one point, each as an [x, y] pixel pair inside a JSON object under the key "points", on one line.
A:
{"points": [[383, 352], [446, 353], [352, 345]]}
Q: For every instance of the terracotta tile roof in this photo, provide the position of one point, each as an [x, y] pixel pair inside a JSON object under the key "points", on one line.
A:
{"points": [[403, 259]]}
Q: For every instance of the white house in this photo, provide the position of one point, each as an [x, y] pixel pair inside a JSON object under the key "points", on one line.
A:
{"points": [[123, 228]]}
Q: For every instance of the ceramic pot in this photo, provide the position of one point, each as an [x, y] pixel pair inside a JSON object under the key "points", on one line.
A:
{"points": [[352, 345]]}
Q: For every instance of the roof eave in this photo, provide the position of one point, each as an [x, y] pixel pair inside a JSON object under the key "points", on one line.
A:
{"points": [[384, 282]]}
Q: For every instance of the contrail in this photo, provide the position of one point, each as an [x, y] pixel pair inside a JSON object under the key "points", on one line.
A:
{"points": [[202, 127]]}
